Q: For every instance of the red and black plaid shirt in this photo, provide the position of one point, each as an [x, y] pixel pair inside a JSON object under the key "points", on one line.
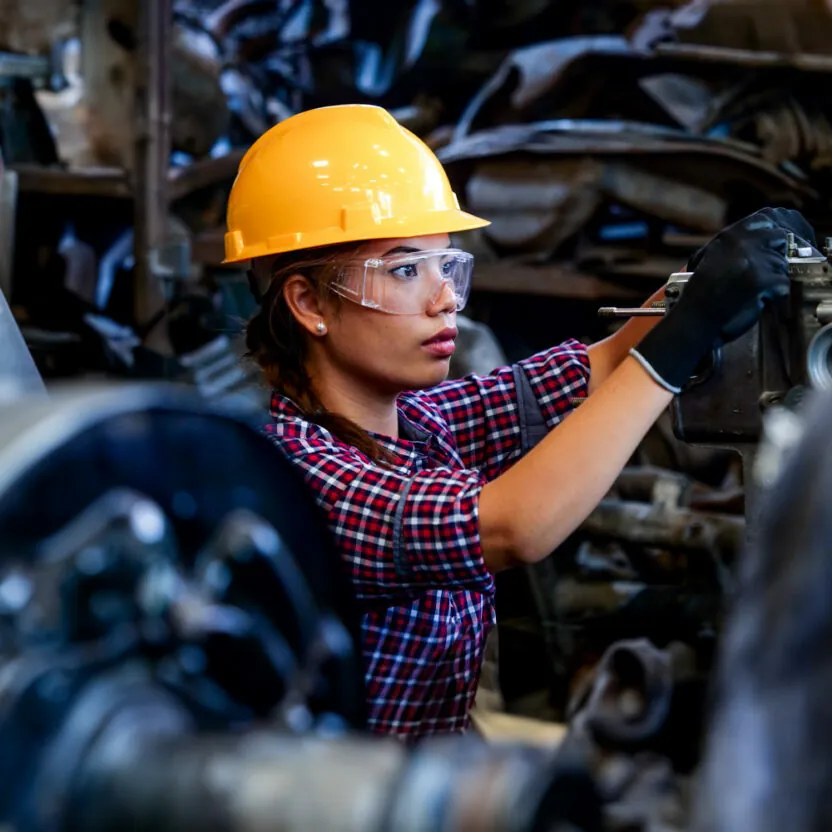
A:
{"points": [[410, 534]]}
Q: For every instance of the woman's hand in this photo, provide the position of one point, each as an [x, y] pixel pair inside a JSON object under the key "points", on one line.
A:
{"points": [[607, 354], [786, 218], [734, 275]]}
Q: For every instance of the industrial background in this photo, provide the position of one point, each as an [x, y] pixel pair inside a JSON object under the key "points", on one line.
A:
{"points": [[605, 140]]}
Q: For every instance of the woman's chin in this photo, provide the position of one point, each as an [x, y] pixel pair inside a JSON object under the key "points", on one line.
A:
{"points": [[423, 378]]}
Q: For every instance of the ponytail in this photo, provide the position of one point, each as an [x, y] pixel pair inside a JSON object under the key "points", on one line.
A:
{"points": [[278, 344]]}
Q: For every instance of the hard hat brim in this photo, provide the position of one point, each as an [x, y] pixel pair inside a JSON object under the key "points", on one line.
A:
{"points": [[439, 222]]}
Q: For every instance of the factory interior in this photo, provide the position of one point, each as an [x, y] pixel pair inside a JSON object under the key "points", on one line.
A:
{"points": [[181, 647]]}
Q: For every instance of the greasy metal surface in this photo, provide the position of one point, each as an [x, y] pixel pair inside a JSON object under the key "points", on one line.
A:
{"points": [[34, 67], [725, 403], [608, 137], [649, 525]]}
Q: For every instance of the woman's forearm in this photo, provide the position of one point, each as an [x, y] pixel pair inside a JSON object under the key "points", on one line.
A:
{"points": [[529, 510]]}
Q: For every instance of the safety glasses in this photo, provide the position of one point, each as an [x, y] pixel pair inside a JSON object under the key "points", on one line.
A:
{"points": [[407, 284]]}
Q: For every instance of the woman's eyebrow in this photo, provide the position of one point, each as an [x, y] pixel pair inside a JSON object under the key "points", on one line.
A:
{"points": [[401, 250]]}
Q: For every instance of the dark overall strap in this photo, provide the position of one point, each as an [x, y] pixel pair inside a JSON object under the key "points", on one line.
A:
{"points": [[532, 430], [532, 421]]}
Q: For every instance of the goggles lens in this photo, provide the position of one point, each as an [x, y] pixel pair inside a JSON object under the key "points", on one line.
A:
{"points": [[409, 283]]}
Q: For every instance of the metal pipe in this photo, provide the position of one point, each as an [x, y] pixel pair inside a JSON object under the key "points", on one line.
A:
{"points": [[152, 151]]}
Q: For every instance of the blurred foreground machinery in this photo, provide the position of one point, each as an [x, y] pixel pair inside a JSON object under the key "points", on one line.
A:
{"points": [[178, 649]]}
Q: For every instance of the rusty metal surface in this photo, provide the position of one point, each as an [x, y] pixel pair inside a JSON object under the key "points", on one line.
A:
{"points": [[598, 197], [612, 137]]}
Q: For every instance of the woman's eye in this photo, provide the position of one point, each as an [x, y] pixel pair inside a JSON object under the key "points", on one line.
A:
{"points": [[406, 272], [448, 268]]}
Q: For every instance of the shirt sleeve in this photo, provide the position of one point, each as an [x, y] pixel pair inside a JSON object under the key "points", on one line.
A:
{"points": [[483, 412], [398, 534]]}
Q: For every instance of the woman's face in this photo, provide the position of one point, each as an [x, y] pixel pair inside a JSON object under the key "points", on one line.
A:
{"points": [[392, 353]]}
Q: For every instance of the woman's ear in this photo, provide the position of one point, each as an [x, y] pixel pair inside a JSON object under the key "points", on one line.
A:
{"points": [[304, 303]]}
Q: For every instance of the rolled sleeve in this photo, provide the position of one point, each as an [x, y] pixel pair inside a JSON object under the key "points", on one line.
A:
{"points": [[436, 530], [397, 533], [558, 377]]}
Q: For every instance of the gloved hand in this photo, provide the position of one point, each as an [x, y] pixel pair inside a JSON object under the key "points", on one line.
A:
{"points": [[786, 218], [733, 276]]}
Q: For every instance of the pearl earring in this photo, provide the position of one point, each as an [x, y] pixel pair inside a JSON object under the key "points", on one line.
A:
{"points": [[321, 327]]}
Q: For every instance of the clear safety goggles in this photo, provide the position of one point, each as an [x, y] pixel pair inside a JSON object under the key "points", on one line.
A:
{"points": [[409, 283]]}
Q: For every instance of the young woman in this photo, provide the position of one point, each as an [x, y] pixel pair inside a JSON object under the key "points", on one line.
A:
{"points": [[345, 217]]}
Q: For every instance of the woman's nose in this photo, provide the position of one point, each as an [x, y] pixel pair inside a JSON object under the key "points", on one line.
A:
{"points": [[445, 300]]}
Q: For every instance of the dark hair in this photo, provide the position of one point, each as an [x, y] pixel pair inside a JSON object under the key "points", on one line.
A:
{"points": [[276, 341]]}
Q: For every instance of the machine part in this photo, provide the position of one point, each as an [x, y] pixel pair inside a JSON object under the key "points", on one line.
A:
{"points": [[724, 404], [770, 709], [819, 357], [646, 794], [783, 429], [649, 484], [787, 351], [179, 649], [824, 311], [152, 119], [627, 701], [639, 717], [153, 443], [219, 373], [169, 262], [8, 219], [651, 525], [608, 138], [294, 784], [18, 374]]}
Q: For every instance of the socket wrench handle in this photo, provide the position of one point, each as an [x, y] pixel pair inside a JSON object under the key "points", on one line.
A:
{"points": [[631, 312], [656, 309]]}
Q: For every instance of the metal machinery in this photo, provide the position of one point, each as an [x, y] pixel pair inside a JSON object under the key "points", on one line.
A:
{"points": [[788, 352], [178, 650]]}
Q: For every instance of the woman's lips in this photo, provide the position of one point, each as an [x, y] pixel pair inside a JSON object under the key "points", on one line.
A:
{"points": [[442, 349], [443, 343]]}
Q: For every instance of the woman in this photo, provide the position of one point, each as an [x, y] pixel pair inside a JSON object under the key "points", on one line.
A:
{"points": [[345, 217]]}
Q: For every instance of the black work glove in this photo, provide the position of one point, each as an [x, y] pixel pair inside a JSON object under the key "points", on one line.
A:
{"points": [[733, 276], [786, 218]]}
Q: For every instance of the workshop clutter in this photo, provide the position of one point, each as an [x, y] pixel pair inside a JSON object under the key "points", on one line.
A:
{"points": [[605, 140]]}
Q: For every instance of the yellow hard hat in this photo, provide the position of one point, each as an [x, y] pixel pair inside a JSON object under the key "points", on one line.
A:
{"points": [[337, 175]]}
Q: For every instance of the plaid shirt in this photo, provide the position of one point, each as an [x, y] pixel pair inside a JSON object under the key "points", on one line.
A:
{"points": [[410, 533]]}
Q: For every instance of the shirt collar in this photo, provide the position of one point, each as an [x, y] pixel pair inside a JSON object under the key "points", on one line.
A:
{"points": [[282, 407]]}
